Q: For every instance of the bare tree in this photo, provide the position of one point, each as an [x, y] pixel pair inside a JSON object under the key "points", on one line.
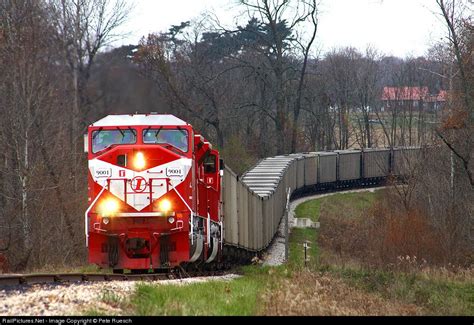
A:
{"points": [[320, 120], [188, 76], [83, 28], [282, 18], [44, 54], [27, 92], [341, 74], [461, 40], [368, 91], [305, 51]]}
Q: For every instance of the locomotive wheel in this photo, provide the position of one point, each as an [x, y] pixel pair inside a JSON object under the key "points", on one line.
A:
{"points": [[118, 271]]}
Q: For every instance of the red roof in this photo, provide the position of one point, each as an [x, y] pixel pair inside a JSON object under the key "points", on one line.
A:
{"points": [[404, 93], [441, 97]]}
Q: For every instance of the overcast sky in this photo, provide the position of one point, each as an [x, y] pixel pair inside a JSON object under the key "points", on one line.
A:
{"points": [[395, 27]]}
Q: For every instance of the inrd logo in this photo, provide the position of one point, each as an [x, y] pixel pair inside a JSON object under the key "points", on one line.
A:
{"points": [[138, 184]]}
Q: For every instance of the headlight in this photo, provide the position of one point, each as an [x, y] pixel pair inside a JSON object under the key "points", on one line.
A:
{"points": [[164, 205], [108, 207], [139, 161], [105, 221], [171, 219]]}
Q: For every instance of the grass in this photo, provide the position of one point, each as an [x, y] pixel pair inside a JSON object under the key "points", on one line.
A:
{"points": [[358, 201], [239, 296], [309, 209], [296, 253], [437, 296], [109, 302], [321, 288]]}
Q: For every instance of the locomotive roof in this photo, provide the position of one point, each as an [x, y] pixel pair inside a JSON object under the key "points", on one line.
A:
{"points": [[140, 119]]}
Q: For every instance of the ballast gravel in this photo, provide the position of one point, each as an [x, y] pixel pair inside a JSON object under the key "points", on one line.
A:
{"points": [[75, 299]]}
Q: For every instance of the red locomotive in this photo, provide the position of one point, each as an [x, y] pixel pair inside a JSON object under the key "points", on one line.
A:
{"points": [[154, 194]]}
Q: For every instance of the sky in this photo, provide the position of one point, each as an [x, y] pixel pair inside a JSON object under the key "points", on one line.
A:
{"points": [[395, 27]]}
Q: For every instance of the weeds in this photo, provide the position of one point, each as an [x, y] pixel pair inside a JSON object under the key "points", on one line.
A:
{"points": [[376, 231], [435, 295], [394, 253], [111, 298], [236, 297], [319, 293]]}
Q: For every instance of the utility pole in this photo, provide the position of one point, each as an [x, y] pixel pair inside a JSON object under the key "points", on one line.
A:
{"points": [[305, 245]]}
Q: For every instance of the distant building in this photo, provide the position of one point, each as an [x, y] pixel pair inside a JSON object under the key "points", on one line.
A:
{"points": [[436, 102], [412, 98]]}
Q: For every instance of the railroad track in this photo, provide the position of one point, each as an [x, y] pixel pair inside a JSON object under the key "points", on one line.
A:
{"points": [[32, 279]]}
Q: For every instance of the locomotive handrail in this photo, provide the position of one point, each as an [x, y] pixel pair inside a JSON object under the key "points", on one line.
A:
{"points": [[145, 214], [190, 210], [208, 187], [166, 180], [86, 223]]}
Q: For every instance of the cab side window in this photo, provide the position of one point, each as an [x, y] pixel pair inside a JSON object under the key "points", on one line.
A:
{"points": [[210, 166]]}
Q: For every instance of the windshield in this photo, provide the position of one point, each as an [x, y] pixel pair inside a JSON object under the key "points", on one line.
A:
{"points": [[176, 138], [103, 139]]}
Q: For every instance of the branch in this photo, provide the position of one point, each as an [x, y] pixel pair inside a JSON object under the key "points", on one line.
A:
{"points": [[464, 160]]}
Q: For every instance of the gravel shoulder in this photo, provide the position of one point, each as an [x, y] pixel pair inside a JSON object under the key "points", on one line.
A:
{"points": [[76, 298]]}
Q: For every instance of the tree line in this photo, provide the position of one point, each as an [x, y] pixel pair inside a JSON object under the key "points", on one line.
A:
{"points": [[266, 75], [47, 52], [255, 89]]}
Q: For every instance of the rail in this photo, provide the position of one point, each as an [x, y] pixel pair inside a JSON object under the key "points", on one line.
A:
{"points": [[33, 279]]}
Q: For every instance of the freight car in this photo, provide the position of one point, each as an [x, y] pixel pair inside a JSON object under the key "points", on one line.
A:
{"points": [[160, 197], [302, 174]]}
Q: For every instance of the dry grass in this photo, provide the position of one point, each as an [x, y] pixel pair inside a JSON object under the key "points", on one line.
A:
{"points": [[307, 293], [385, 235], [405, 238], [397, 254]]}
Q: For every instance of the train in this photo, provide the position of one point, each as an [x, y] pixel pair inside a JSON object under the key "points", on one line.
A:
{"points": [[160, 197]]}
